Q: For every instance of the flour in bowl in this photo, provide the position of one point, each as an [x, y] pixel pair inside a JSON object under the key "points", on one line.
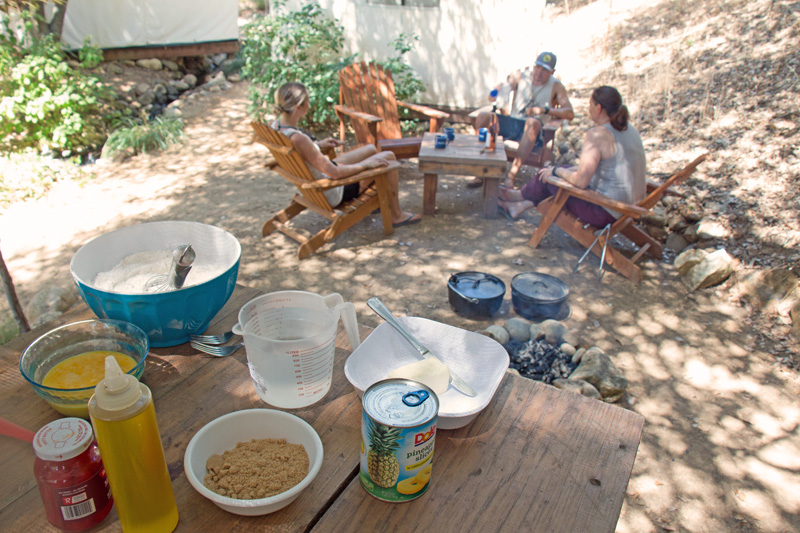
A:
{"points": [[131, 275]]}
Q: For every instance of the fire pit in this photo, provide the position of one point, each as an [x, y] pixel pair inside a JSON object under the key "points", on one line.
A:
{"points": [[540, 360]]}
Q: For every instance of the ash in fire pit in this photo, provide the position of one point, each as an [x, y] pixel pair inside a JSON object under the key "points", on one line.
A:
{"points": [[539, 360]]}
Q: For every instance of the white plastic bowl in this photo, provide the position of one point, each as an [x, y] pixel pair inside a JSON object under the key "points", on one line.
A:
{"points": [[477, 359], [225, 432]]}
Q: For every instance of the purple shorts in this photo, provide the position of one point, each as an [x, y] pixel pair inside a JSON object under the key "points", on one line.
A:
{"points": [[587, 212]]}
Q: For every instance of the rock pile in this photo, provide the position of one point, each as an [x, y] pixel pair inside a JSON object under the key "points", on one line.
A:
{"points": [[550, 353]]}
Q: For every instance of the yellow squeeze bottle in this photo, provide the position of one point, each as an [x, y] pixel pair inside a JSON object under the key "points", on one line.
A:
{"points": [[124, 421]]}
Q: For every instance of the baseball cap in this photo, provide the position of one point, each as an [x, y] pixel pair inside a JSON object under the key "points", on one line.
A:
{"points": [[547, 60]]}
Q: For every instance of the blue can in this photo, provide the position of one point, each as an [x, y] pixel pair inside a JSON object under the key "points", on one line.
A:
{"points": [[451, 134], [482, 133], [441, 141]]}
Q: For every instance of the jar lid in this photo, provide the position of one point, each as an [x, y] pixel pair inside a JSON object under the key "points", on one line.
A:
{"points": [[62, 439]]}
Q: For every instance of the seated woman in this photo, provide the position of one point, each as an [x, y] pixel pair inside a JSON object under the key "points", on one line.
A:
{"points": [[612, 162], [292, 104]]}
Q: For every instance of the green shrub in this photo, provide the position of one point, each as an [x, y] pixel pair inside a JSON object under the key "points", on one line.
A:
{"points": [[45, 104], [141, 135], [304, 46], [308, 46], [90, 55]]}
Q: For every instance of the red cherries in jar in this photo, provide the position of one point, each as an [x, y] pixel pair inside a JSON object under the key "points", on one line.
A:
{"points": [[70, 475]]}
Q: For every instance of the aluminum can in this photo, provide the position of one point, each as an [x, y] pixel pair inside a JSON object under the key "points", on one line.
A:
{"points": [[482, 133], [398, 433]]}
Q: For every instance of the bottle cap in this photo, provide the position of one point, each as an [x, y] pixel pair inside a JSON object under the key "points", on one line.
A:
{"points": [[117, 391], [493, 93], [62, 439]]}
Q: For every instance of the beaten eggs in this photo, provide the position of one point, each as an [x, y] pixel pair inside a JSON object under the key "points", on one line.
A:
{"points": [[84, 370]]}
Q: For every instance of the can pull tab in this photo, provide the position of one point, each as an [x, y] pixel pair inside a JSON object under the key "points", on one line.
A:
{"points": [[415, 398]]}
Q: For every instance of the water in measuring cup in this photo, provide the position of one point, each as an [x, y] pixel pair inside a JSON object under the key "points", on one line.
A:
{"points": [[295, 371]]}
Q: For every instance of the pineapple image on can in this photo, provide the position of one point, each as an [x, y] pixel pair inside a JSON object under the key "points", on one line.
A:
{"points": [[397, 438]]}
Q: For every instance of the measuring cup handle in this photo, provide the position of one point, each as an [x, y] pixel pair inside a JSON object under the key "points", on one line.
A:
{"points": [[333, 300], [237, 329], [348, 314]]}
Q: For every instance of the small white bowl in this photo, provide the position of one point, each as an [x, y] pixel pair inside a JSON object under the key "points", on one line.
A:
{"points": [[225, 432], [480, 361]]}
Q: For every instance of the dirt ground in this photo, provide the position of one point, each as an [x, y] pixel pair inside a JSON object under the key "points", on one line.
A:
{"points": [[720, 449]]}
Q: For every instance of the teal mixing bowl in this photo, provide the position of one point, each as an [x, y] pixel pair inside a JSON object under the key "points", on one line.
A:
{"points": [[168, 318]]}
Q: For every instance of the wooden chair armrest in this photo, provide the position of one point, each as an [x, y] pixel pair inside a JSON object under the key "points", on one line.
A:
{"points": [[350, 112], [355, 178], [596, 198], [427, 111]]}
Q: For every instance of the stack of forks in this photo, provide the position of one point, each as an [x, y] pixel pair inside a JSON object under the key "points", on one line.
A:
{"points": [[212, 344]]}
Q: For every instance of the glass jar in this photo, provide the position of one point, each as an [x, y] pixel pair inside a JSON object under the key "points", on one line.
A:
{"points": [[70, 475]]}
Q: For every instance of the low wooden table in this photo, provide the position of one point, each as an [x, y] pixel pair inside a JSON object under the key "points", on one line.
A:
{"points": [[536, 459], [463, 156]]}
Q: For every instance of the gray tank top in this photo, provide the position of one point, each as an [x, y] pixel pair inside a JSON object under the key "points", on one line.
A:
{"points": [[622, 176], [529, 95]]}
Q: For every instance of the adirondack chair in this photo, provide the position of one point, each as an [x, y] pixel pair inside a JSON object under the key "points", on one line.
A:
{"points": [[553, 212], [366, 95], [291, 166]]}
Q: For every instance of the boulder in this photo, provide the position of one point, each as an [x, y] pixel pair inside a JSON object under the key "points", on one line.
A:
{"points": [[170, 65], [536, 332], [767, 289], [676, 242], [657, 217], [597, 368], [713, 269], [190, 80], [577, 386], [518, 329], [690, 234], [150, 64], [498, 333], [553, 331], [688, 259], [676, 222], [567, 349], [578, 355], [711, 229]]}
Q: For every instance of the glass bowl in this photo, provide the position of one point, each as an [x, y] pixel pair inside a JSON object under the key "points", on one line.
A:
{"points": [[74, 339]]}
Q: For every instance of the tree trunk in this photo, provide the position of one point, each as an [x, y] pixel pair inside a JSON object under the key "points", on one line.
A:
{"points": [[13, 301], [57, 24]]}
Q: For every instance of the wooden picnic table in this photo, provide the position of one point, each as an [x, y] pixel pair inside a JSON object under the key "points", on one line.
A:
{"points": [[464, 155], [536, 459]]}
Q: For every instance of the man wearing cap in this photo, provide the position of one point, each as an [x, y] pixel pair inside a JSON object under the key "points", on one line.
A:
{"points": [[539, 97]]}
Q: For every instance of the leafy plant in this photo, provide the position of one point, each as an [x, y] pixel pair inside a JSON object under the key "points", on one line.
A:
{"points": [[141, 135], [45, 104], [90, 55], [308, 46]]}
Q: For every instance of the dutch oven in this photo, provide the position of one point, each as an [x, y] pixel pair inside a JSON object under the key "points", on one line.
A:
{"points": [[475, 294], [538, 296]]}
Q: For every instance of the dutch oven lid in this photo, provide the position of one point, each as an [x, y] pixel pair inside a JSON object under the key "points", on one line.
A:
{"points": [[477, 285], [541, 287]]}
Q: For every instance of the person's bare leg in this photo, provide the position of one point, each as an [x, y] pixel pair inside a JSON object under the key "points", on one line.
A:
{"points": [[356, 155], [526, 144], [393, 178], [510, 195]]}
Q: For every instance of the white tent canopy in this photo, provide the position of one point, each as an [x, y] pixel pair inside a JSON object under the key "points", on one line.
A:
{"points": [[130, 23]]}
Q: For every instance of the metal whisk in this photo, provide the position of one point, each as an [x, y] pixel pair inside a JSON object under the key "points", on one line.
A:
{"points": [[182, 260]]}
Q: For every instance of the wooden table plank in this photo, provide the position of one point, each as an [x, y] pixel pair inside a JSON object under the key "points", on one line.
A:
{"points": [[537, 459], [463, 156]]}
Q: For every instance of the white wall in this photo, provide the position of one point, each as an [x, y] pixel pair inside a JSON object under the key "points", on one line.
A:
{"points": [[465, 47]]}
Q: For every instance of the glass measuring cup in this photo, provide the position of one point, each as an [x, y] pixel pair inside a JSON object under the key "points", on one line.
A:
{"points": [[289, 337]]}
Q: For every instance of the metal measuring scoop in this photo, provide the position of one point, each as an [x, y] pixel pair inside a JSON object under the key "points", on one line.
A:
{"points": [[182, 260]]}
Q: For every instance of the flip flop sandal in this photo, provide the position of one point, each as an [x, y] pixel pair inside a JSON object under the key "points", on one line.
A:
{"points": [[503, 210], [408, 222]]}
